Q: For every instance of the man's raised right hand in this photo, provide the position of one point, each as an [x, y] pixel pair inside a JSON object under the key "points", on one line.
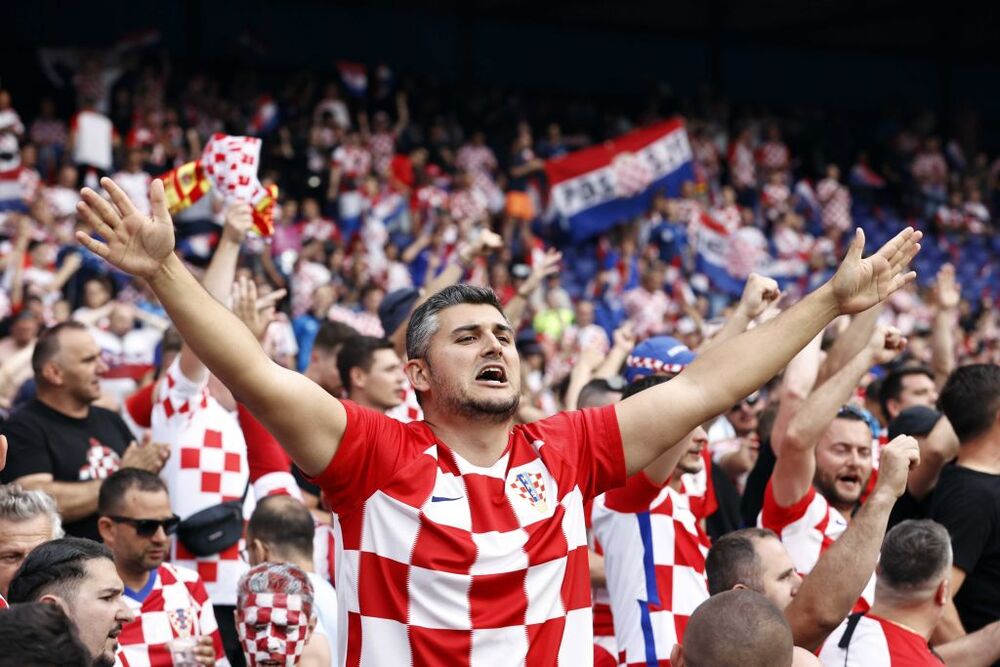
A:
{"points": [[133, 242]]}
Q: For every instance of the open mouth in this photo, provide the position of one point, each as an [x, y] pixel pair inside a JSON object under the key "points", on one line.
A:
{"points": [[492, 375], [851, 481]]}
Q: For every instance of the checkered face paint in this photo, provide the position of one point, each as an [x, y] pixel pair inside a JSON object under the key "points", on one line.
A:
{"points": [[273, 627]]}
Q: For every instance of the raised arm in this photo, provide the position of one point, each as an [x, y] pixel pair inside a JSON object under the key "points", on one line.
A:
{"points": [[305, 419], [828, 594], [797, 383], [758, 295], [851, 341], [517, 306], [978, 649], [654, 420], [947, 296], [794, 469]]}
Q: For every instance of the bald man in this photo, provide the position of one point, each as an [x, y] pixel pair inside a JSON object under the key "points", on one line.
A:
{"points": [[739, 628]]}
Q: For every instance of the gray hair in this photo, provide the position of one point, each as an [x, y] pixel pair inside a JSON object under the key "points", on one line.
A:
{"points": [[916, 555], [17, 505], [424, 321]]}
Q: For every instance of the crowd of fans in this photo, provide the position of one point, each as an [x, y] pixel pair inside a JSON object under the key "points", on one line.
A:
{"points": [[848, 508]]}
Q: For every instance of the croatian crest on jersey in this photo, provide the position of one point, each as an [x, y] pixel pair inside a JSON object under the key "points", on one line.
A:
{"points": [[182, 621], [531, 487]]}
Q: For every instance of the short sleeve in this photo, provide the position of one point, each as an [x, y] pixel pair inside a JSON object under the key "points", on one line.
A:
{"points": [[371, 450], [636, 496], [776, 517], [28, 453], [178, 387], [956, 507], [590, 442]]}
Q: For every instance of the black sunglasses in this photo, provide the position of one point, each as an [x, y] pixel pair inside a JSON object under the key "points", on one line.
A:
{"points": [[148, 527]]}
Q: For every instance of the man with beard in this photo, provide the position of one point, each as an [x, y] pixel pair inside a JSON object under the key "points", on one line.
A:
{"points": [[654, 548], [169, 602], [463, 534], [78, 575], [825, 461]]}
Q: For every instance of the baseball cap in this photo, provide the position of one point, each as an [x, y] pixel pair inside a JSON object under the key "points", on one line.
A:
{"points": [[659, 354], [916, 420], [395, 308]]}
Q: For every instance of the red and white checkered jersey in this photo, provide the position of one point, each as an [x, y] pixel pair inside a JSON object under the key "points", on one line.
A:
{"points": [[174, 604], [742, 170], [485, 565], [605, 645], [409, 410], [3, 603], [364, 323], [476, 159], [207, 466], [468, 204], [354, 161], [773, 155], [836, 202], [129, 358], [382, 146], [807, 528], [877, 642], [654, 555], [647, 311]]}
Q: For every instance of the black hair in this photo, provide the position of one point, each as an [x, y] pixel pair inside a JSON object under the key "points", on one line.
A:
{"points": [[120, 482], [644, 383], [47, 345], [283, 523], [891, 387], [733, 560], [970, 399], [40, 635], [358, 352], [331, 335], [424, 321], [54, 567]]}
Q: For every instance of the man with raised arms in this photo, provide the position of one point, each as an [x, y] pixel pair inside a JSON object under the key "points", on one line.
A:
{"points": [[463, 535]]}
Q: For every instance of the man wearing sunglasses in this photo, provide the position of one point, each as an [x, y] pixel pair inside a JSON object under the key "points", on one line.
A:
{"points": [[169, 602]]}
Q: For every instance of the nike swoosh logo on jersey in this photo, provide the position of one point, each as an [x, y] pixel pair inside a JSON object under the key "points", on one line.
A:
{"points": [[441, 499]]}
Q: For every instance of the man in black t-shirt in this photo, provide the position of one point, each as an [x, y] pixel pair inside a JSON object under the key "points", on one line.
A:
{"points": [[62, 444], [967, 498]]}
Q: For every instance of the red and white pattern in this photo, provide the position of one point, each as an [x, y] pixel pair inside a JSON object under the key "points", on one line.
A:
{"points": [[807, 528], [176, 607], [409, 410], [476, 159], [742, 170], [647, 311], [654, 554], [129, 358], [438, 556], [101, 462], [773, 156], [877, 642], [775, 200], [364, 323], [286, 621], [3, 603], [836, 202], [207, 466], [469, 205], [354, 161], [382, 146]]}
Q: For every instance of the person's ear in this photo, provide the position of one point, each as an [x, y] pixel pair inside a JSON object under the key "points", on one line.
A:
{"points": [[740, 587], [52, 373], [418, 375], [105, 527], [358, 377], [49, 598], [943, 592]]}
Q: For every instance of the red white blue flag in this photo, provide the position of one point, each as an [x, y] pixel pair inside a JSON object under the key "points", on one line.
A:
{"points": [[599, 187]]}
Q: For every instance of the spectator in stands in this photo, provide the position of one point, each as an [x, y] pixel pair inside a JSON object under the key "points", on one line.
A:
{"points": [[27, 519], [281, 530], [967, 499], [755, 558], [906, 387], [60, 442], [735, 629], [168, 601], [322, 368], [372, 373], [79, 576], [40, 635], [911, 596], [275, 617], [825, 460], [23, 332]]}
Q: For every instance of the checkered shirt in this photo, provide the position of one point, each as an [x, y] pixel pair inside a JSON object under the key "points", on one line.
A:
{"points": [[176, 606], [485, 565], [742, 170], [807, 528], [476, 159], [773, 155], [836, 202], [207, 466], [382, 146], [654, 554], [354, 161], [409, 410], [364, 323]]}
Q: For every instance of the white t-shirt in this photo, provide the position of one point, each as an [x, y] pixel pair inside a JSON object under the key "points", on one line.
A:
{"points": [[325, 602], [94, 135]]}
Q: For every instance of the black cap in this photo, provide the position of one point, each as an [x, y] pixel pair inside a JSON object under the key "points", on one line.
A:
{"points": [[395, 308], [917, 420]]}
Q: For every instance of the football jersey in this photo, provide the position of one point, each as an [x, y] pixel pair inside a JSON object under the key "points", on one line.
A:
{"points": [[485, 565], [172, 605], [654, 555], [207, 467], [807, 529], [877, 642], [3, 603]]}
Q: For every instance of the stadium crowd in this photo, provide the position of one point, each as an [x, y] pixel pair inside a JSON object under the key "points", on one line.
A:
{"points": [[607, 458]]}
